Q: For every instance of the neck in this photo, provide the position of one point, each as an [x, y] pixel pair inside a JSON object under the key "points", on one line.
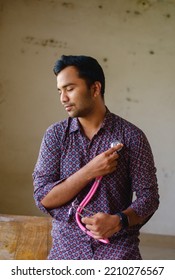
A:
{"points": [[91, 124]]}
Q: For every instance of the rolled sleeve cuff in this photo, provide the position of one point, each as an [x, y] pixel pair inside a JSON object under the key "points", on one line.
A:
{"points": [[41, 192], [146, 208]]}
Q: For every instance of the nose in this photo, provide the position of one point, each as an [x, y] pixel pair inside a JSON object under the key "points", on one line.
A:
{"points": [[64, 97]]}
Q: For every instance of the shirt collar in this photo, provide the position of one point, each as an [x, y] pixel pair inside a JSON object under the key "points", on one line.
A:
{"points": [[74, 124], [107, 122]]}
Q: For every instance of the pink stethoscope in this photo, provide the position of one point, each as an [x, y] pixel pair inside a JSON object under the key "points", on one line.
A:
{"points": [[85, 201], [82, 205]]}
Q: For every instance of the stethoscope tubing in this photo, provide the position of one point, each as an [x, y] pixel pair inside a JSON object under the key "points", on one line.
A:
{"points": [[84, 203], [87, 199]]}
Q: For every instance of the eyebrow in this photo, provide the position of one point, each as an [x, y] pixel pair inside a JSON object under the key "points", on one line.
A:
{"points": [[69, 84]]}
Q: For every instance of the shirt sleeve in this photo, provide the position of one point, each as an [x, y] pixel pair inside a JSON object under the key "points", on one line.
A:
{"points": [[143, 176], [46, 174]]}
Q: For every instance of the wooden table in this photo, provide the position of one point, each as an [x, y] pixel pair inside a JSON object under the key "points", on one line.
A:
{"points": [[24, 237], [28, 238]]}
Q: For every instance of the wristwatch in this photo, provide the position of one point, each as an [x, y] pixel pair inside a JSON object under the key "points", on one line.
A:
{"points": [[123, 219]]}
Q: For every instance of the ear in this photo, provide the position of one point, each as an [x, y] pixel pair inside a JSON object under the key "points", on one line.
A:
{"points": [[96, 87]]}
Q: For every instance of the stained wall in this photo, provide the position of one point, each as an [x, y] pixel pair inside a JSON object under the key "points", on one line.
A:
{"points": [[134, 42]]}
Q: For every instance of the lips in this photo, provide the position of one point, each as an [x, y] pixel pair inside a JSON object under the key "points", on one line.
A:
{"points": [[68, 107]]}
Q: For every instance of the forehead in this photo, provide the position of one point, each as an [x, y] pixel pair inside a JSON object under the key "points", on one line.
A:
{"points": [[67, 75]]}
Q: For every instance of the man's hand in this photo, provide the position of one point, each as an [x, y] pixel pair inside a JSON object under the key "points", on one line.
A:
{"points": [[102, 225], [105, 163]]}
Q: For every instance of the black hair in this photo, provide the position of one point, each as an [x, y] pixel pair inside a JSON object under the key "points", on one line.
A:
{"points": [[88, 68]]}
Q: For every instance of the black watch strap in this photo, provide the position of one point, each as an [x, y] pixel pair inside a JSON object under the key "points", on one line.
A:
{"points": [[123, 219]]}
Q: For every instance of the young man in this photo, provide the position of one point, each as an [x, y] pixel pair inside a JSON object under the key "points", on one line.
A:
{"points": [[77, 150]]}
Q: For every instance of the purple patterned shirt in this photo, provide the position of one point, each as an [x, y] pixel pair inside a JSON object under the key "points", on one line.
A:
{"points": [[64, 150]]}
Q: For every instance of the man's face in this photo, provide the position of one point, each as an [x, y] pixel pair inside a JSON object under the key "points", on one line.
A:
{"points": [[75, 96]]}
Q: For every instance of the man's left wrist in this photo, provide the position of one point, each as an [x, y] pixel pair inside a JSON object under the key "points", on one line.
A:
{"points": [[123, 219]]}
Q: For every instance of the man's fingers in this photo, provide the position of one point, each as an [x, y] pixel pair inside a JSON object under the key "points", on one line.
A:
{"points": [[114, 149], [87, 220]]}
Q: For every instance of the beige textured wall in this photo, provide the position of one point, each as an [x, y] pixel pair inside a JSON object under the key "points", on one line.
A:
{"points": [[135, 43]]}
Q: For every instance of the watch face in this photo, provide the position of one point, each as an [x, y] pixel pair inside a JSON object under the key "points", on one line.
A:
{"points": [[123, 219]]}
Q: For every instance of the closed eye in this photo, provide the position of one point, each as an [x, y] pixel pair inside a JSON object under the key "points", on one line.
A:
{"points": [[59, 91], [69, 89]]}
